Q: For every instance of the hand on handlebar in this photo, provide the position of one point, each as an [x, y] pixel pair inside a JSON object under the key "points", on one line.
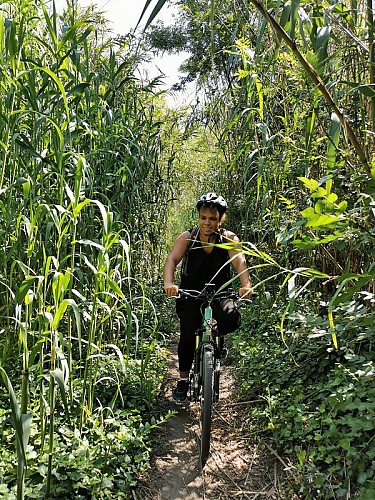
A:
{"points": [[245, 292], [171, 289]]}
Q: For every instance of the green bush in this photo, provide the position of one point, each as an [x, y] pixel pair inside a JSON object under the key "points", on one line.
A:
{"points": [[103, 455], [103, 462], [320, 402]]}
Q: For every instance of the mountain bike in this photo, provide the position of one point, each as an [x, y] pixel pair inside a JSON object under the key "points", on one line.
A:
{"points": [[205, 373]]}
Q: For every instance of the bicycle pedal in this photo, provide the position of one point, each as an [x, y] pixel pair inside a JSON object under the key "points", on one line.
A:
{"points": [[182, 402]]}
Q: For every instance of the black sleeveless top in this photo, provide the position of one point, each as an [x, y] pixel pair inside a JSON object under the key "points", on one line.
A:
{"points": [[202, 267]]}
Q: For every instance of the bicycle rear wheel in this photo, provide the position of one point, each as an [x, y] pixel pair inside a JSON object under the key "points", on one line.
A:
{"points": [[206, 405]]}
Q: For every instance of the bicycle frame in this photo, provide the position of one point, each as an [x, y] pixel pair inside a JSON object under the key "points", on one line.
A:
{"points": [[205, 373], [208, 341]]}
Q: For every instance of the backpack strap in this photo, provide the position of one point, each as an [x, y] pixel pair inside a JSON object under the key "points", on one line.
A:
{"points": [[193, 238], [223, 235]]}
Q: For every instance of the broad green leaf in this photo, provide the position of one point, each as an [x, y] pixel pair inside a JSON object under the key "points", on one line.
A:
{"points": [[322, 38], [2, 33], [349, 276], [79, 207], [315, 273], [114, 287], [319, 193], [60, 284], [319, 207], [310, 184], [329, 208], [91, 244], [60, 86], [342, 207], [329, 185], [347, 293], [322, 220], [25, 287], [21, 421], [333, 141], [24, 143], [106, 216], [310, 128], [26, 190], [70, 35], [58, 375], [26, 419], [70, 194], [332, 197], [366, 90], [22, 336], [311, 220], [285, 15], [78, 89], [310, 243], [308, 213], [59, 313]]}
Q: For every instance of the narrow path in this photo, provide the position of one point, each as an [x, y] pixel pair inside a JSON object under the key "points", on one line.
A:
{"points": [[236, 469]]}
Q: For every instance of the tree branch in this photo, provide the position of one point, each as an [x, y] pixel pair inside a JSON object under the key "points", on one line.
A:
{"points": [[318, 81]]}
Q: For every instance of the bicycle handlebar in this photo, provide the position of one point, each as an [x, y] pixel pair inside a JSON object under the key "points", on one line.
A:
{"points": [[207, 295]]}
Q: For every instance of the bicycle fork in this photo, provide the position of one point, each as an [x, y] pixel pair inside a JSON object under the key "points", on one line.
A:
{"points": [[206, 338], [196, 375]]}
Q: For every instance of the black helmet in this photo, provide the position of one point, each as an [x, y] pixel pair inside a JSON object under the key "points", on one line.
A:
{"points": [[212, 199]]}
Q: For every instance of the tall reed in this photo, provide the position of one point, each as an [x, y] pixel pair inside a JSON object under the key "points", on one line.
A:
{"points": [[84, 179]]}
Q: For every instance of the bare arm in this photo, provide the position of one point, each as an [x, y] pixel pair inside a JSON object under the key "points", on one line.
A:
{"points": [[239, 263], [174, 258]]}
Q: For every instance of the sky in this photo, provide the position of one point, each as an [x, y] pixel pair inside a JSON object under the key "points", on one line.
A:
{"points": [[124, 15]]}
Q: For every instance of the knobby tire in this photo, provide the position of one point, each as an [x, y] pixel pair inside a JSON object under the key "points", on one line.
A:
{"points": [[206, 405]]}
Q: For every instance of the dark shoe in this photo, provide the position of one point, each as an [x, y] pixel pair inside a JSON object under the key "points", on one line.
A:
{"points": [[223, 350], [181, 390]]}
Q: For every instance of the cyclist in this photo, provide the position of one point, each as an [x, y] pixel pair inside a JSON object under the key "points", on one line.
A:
{"points": [[204, 263]]}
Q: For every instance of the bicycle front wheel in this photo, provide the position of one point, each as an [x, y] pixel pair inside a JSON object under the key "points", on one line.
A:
{"points": [[206, 405]]}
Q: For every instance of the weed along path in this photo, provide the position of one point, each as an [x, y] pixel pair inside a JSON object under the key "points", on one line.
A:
{"points": [[239, 467]]}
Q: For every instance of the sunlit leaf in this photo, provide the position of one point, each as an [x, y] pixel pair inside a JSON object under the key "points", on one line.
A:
{"points": [[25, 287], [58, 375], [310, 184], [322, 220]]}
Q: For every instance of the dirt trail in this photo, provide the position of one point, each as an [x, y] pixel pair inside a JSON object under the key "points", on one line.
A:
{"points": [[236, 468]]}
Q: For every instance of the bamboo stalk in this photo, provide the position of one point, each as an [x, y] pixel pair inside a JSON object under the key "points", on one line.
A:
{"points": [[318, 81]]}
